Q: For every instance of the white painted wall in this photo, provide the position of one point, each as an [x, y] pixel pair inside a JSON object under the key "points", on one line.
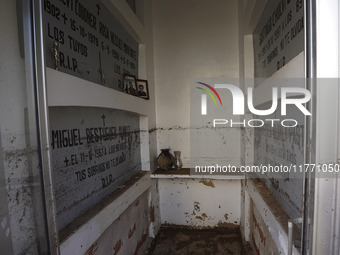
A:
{"points": [[326, 211], [20, 190], [19, 156], [128, 234], [200, 203], [250, 12], [193, 40], [84, 93], [103, 224]]}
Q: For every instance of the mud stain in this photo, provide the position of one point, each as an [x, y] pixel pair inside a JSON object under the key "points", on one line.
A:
{"points": [[259, 230], [255, 246], [117, 247], [140, 243], [132, 231], [203, 217], [197, 206], [93, 248], [152, 213], [208, 183], [178, 240], [227, 225]]}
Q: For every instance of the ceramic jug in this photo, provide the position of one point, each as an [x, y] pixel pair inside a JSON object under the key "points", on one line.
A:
{"points": [[165, 159]]}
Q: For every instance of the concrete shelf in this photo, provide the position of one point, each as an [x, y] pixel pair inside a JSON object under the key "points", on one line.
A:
{"points": [[184, 173]]}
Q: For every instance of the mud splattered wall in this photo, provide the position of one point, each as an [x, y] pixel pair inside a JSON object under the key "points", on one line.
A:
{"points": [[278, 45], [94, 151], [260, 236], [5, 239], [200, 203], [200, 42], [110, 165], [270, 145], [20, 185], [282, 146], [126, 236]]}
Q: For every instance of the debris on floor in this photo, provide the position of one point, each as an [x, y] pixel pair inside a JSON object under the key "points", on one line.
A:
{"points": [[173, 240]]}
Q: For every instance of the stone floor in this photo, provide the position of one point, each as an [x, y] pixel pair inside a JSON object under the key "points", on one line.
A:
{"points": [[184, 241]]}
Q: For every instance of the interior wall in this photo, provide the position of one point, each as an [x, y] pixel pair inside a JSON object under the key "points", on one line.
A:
{"points": [[287, 193], [200, 203], [20, 187], [128, 234], [250, 13], [193, 39], [12, 132], [326, 199], [260, 236], [94, 95], [324, 208]]}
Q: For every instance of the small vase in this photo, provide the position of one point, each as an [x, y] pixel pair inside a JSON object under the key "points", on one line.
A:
{"points": [[178, 161], [165, 160]]}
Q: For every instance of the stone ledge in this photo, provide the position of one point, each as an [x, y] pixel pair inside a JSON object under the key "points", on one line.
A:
{"points": [[184, 173], [78, 236]]}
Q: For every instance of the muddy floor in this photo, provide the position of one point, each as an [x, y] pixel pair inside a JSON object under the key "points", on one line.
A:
{"points": [[173, 241]]}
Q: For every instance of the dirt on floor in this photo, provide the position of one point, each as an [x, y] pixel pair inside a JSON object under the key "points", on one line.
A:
{"points": [[173, 240]]}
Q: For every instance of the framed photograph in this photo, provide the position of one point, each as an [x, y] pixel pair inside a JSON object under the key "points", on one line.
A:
{"points": [[130, 84], [142, 89]]}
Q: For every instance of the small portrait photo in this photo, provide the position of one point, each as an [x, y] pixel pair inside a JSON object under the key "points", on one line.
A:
{"points": [[130, 84], [143, 89]]}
